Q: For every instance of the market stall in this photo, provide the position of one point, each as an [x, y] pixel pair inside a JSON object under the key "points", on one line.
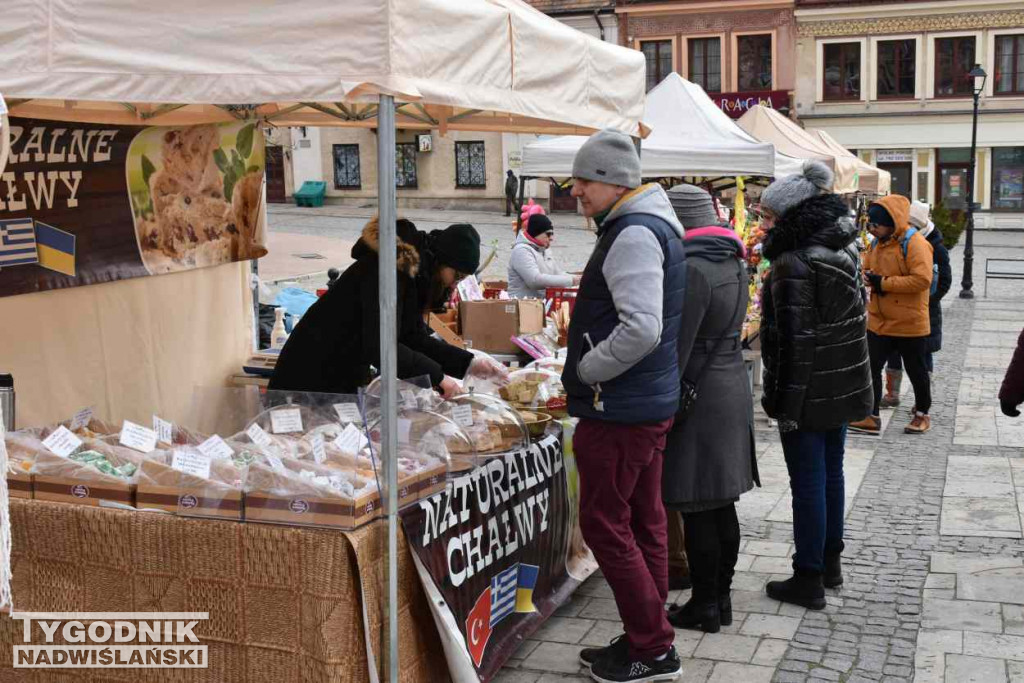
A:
{"points": [[137, 347], [851, 174]]}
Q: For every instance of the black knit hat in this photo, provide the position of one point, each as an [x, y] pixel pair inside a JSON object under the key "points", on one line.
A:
{"points": [[458, 246], [878, 215], [538, 224]]}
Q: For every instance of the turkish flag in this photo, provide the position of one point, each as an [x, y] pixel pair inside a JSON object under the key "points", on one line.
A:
{"points": [[478, 627]]}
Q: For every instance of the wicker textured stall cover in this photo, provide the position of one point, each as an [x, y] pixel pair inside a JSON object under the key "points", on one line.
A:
{"points": [[284, 602]]}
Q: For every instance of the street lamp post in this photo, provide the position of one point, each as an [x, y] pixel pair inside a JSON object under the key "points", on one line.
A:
{"points": [[978, 77]]}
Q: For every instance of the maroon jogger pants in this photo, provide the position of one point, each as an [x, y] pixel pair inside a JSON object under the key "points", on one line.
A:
{"points": [[623, 521]]}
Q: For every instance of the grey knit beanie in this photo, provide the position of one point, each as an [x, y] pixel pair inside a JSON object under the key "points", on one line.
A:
{"points": [[814, 178], [693, 206], [608, 156]]}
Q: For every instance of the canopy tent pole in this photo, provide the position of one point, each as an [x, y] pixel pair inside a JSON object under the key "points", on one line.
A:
{"points": [[388, 281]]}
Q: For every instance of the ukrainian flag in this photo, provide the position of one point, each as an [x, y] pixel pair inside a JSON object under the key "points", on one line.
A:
{"points": [[56, 249], [525, 584]]}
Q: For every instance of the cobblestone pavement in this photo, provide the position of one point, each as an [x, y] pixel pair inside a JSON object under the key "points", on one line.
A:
{"points": [[934, 587]]}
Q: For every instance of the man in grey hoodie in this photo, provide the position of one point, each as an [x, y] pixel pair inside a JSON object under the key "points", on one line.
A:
{"points": [[622, 379]]}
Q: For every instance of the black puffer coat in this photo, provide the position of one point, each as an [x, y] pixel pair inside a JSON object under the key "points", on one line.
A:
{"points": [[814, 335], [338, 339], [941, 257]]}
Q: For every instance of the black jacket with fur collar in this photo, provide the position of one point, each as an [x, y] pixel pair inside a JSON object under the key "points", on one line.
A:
{"points": [[814, 326], [338, 339]]}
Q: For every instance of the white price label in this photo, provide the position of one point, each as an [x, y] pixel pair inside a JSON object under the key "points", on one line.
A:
{"points": [[286, 420], [348, 412], [81, 419], [319, 452], [404, 430], [351, 439], [137, 437], [215, 448], [189, 462], [164, 429], [62, 442], [276, 464], [463, 415], [258, 436]]}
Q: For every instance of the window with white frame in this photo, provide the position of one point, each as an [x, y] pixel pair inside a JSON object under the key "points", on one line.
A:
{"points": [[897, 68], [1009, 72], [954, 59], [841, 71]]}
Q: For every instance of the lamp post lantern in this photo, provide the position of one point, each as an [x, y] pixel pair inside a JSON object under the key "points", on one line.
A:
{"points": [[978, 77]]}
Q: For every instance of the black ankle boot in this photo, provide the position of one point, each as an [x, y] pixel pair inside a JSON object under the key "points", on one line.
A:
{"points": [[695, 615], [804, 589], [725, 609], [833, 576]]}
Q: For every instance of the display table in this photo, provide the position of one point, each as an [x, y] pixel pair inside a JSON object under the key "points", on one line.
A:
{"points": [[285, 603]]}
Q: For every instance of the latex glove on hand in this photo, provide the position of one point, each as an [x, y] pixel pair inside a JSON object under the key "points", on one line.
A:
{"points": [[485, 368], [1009, 409], [449, 388]]}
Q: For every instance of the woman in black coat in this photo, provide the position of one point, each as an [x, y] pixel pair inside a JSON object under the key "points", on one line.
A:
{"points": [[337, 341], [709, 455], [817, 374]]}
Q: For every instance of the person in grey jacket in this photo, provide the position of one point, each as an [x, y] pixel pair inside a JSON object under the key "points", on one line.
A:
{"points": [[622, 379], [709, 456], [531, 269]]}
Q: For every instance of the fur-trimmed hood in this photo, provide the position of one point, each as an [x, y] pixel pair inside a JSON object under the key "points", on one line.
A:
{"points": [[823, 220], [408, 248]]}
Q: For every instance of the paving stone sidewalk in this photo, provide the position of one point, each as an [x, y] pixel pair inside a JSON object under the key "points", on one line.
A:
{"points": [[934, 572]]}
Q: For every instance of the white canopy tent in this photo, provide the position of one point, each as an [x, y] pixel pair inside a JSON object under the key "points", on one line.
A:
{"points": [[851, 174], [691, 136], [489, 65]]}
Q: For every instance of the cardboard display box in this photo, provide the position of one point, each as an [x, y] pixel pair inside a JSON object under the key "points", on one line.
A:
{"points": [[489, 325], [82, 492], [19, 485], [199, 502], [447, 330], [308, 510]]}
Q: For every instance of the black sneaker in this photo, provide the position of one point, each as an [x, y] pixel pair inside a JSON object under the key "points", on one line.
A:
{"points": [[626, 669], [618, 647]]}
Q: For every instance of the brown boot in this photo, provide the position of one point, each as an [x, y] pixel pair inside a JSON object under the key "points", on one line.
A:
{"points": [[871, 424], [920, 424], [893, 382]]}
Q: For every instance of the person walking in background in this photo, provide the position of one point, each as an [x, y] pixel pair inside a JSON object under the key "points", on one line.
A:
{"points": [[1011, 393], [920, 218], [898, 268], [817, 372], [709, 455], [531, 268], [622, 380], [511, 192]]}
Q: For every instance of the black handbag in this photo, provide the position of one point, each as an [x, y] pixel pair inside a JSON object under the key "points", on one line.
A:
{"points": [[689, 388]]}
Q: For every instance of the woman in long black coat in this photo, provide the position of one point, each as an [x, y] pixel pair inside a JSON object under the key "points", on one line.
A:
{"points": [[709, 455], [337, 341]]}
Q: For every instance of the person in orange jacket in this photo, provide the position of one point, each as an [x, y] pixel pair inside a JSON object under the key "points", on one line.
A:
{"points": [[898, 270]]}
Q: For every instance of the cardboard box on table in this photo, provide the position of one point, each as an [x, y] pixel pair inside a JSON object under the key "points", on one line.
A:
{"points": [[489, 325]]}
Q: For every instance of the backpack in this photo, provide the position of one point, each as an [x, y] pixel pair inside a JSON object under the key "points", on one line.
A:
{"points": [[904, 243]]}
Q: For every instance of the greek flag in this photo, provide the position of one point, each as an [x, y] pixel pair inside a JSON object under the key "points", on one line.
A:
{"points": [[17, 242], [503, 594]]}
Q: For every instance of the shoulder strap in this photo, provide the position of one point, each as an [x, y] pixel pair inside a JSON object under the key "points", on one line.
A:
{"points": [[905, 242], [723, 337]]}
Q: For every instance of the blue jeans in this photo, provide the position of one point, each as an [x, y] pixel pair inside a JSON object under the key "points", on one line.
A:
{"points": [[815, 464]]}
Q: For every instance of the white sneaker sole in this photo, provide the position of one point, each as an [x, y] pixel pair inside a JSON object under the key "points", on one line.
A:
{"points": [[653, 678]]}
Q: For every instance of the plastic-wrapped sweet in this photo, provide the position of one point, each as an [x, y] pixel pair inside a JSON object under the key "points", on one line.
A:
{"points": [[492, 425], [22, 447], [537, 389], [284, 428], [94, 460], [429, 446], [189, 482]]}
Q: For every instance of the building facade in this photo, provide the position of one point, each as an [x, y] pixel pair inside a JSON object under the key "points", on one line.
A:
{"points": [[890, 81], [742, 52]]}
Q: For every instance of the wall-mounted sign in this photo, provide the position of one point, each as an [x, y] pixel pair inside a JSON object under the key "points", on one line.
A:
{"points": [[426, 142], [736, 104], [894, 156], [515, 160]]}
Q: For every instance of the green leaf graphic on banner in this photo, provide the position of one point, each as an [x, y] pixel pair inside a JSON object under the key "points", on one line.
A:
{"points": [[221, 159], [244, 140], [148, 169]]}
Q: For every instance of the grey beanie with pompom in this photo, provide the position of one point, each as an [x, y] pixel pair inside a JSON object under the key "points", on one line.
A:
{"points": [[815, 178]]}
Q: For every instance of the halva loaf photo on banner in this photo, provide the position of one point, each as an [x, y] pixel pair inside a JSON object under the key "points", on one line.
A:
{"points": [[84, 204]]}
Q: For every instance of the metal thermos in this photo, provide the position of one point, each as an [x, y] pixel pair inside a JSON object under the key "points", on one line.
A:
{"points": [[7, 401]]}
